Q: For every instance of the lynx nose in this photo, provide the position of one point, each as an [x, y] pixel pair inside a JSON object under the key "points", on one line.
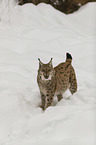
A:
{"points": [[46, 77]]}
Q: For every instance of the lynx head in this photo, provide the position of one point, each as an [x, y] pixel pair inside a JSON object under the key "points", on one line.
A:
{"points": [[46, 71]]}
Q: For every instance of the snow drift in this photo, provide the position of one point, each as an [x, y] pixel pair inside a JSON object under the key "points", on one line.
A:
{"points": [[26, 33]]}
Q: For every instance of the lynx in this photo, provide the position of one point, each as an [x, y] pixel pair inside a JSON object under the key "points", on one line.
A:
{"points": [[55, 81]]}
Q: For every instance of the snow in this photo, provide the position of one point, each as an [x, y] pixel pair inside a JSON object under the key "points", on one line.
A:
{"points": [[30, 32]]}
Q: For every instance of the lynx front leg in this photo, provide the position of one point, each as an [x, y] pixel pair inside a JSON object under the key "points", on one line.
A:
{"points": [[59, 97], [49, 101], [43, 101], [46, 101]]}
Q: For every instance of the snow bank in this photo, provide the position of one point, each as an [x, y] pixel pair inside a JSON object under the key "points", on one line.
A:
{"points": [[29, 32]]}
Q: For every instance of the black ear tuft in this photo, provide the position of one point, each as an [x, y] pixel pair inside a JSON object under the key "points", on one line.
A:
{"points": [[39, 59], [50, 63], [68, 56], [40, 63], [51, 59]]}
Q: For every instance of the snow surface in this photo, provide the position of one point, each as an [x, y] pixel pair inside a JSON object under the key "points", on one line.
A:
{"points": [[26, 33]]}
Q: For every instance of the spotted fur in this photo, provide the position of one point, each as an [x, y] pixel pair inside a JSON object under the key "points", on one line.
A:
{"points": [[55, 81]]}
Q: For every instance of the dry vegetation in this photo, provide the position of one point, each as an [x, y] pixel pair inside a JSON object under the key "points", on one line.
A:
{"points": [[65, 6]]}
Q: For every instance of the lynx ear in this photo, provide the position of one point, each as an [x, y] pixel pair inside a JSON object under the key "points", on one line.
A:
{"points": [[50, 63], [40, 63]]}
